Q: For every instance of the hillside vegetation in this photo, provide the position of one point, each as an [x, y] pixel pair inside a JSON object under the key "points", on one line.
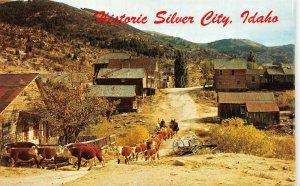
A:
{"points": [[46, 36]]}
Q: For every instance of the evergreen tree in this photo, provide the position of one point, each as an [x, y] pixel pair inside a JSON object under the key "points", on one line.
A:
{"points": [[181, 74]]}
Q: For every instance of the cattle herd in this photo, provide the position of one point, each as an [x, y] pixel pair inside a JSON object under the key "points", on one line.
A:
{"points": [[28, 152], [20, 152], [148, 150]]}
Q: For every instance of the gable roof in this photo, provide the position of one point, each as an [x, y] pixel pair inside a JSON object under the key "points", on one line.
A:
{"points": [[149, 64], [245, 97], [124, 73], [11, 85], [230, 64], [104, 59], [113, 90], [262, 107]]}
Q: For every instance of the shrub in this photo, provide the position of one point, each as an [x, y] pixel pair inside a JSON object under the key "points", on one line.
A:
{"points": [[235, 137], [286, 100], [135, 136], [284, 147]]}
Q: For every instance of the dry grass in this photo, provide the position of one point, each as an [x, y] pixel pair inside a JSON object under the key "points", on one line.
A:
{"points": [[136, 135], [286, 100], [235, 137]]}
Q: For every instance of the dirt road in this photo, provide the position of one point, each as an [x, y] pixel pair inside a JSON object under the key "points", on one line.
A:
{"points": [[207, 169]]}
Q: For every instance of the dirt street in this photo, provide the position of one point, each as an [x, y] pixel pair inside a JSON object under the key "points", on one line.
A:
{"points": [[206, 169]]}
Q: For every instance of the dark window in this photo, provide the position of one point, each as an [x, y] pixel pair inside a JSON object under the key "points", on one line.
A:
{"points": [[123, 80], [238, 82], [221, 72], [232, 72], [220, 82], [253, 78]]}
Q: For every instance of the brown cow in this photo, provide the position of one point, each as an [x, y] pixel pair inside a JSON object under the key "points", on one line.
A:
{"points": [[86, 152], [23, 155], [140, 150], [21, 145], [98, 150], [163, 133], [126, 153], [153, 143], [47, 154], [150, 154]]}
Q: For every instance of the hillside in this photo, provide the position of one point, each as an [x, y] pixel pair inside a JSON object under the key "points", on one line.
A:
{"points": [[46, 36], [264, 54]]}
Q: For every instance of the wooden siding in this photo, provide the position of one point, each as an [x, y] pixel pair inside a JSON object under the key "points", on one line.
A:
{"points": [[139, 83], [264, 118], [225, 80], [253, 81], [126, 104], [10, 115]]}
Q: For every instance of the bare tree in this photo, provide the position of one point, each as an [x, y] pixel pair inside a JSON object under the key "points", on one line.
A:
{"points": [[69, 109]]}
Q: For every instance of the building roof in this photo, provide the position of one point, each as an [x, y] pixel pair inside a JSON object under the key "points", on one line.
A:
{"points": [[113, 90], [257, 72], [230, 64], [245, 97], [149, 64], [262, 107], [124, 73], [272, 71], [11, 85], [288, 71], [61, 77], [104, 59]]}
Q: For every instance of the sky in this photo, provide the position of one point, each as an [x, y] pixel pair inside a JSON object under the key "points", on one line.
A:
{"points": [[269, 34]]}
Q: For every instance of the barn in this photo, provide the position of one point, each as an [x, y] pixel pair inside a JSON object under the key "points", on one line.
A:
{"points": [[17, 95], [230, 75], [124, 76], [126, 94], [258, 108]]}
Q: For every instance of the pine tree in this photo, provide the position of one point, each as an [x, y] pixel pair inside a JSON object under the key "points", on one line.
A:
{"points": [[181, 74]]}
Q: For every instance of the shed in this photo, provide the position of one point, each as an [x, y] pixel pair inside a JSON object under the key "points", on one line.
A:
{"points": [[124, 76], [259, 108], [126, 94]]}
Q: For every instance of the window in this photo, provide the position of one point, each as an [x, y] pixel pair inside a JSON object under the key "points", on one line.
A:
{"points": [[232, 72], [220, 82], [221, 72], [238, 82], [123, 80], [253, 78]]}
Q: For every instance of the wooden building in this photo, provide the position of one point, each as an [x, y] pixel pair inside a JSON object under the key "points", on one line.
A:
{"points": [[254, 78], [17, 95], [149, 64], [230, 75], [282, 77], [103, 61], [258, 108], [126, 94], [124, 76]]}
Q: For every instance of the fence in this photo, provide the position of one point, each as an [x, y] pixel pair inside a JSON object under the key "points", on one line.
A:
{"points": [[103, 142]]}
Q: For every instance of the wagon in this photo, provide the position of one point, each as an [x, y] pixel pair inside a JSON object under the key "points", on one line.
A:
{"points": [[189, 144]]}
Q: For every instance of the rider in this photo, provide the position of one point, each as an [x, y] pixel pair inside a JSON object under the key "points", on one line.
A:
{"points": [[162, 124], [175, 127]]}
